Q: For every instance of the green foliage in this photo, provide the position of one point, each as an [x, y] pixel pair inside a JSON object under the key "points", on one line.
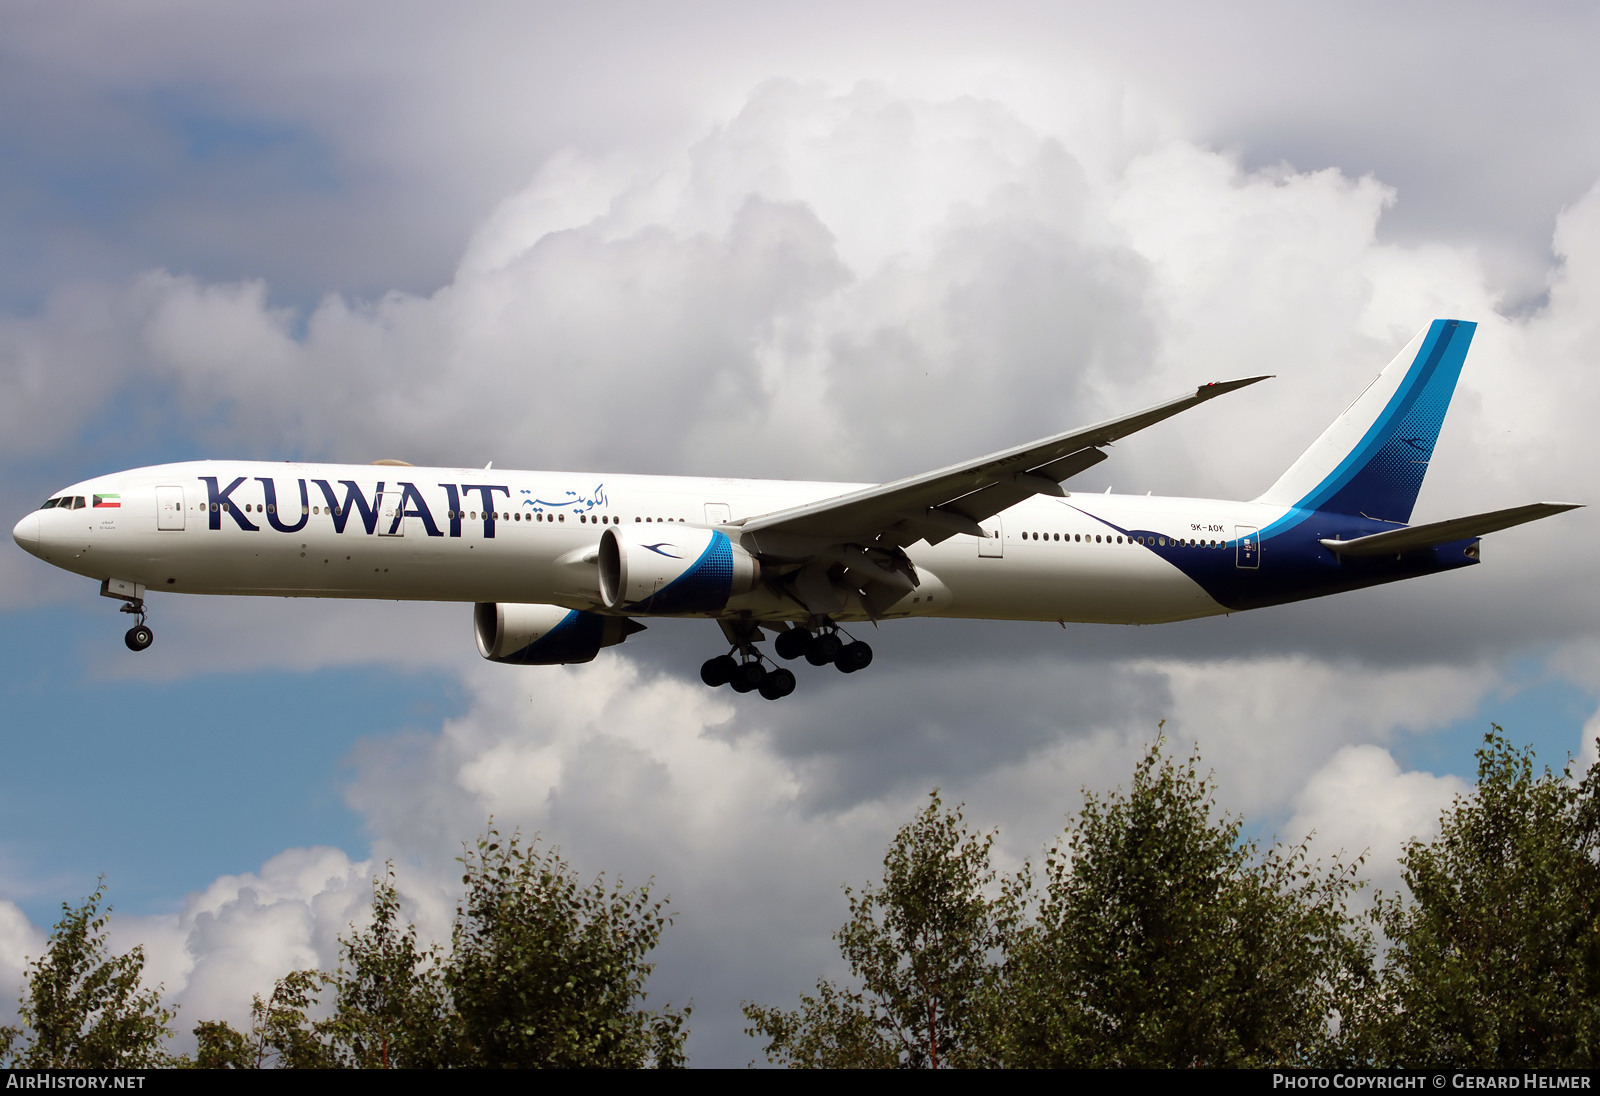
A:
{"points": [[1162, 940], [545, 971], [82, 1008], [219, 1046], [921, 947], [391, 1008], [1496, 956]]}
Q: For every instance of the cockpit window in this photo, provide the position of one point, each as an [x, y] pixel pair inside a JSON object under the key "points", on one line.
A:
{"points": [[51, 504], [79, 502]]}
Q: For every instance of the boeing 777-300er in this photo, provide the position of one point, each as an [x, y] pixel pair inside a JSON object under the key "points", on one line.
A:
{"points": [[561, 564]]}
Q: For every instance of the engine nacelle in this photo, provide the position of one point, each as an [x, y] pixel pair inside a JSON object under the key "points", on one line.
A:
{"points": [[672, 569], [545, 635]]}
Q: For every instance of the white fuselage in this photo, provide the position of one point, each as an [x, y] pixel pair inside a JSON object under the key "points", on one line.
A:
{"points": [[427, 534]]}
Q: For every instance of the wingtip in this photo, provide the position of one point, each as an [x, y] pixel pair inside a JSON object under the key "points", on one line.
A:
{"points": [[1217, 388]]}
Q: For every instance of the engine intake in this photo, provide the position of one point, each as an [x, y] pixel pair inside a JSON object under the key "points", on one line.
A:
{"points": [[545, 635], [672, 569]]}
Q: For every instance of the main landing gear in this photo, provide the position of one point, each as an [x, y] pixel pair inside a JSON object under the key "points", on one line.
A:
{"points": [[747, 676], [749, 673], [822, 647]]}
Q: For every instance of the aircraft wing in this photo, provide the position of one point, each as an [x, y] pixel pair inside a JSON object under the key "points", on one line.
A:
{"points": [[1395, 541], [937, 505]]}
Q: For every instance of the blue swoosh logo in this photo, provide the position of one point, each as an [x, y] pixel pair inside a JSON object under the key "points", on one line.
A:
{"points": [[660, 549]]}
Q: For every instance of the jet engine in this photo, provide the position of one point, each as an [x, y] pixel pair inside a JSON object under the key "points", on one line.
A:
{"points": [[672, 569], [545, 635]]}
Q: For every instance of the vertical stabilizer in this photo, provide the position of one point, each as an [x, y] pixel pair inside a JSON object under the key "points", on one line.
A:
{"points": [[1372, 459]]}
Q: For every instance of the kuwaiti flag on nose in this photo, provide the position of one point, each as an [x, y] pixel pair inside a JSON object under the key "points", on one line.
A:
{"points": [[112, 501]]}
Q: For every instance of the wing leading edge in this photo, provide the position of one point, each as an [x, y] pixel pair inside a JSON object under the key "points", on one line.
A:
{"points": [[937, 505]]}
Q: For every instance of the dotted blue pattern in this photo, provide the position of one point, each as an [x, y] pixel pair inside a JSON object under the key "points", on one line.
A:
{"points": [[703, 587], [1383, 473]]}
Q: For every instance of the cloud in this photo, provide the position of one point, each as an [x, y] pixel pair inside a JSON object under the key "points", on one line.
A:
{"points": [[1360, 804], [20, 943], [240, 934]]}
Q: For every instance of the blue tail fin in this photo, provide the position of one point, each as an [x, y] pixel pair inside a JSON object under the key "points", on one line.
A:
{"points": [[1371, 461]]}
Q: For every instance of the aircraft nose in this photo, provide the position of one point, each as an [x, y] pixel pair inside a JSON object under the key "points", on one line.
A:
{"points": [[26, 533]]}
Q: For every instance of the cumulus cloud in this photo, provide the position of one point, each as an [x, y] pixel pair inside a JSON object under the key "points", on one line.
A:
{"points": [[1360, 804], [20, 943], [243, 932]]}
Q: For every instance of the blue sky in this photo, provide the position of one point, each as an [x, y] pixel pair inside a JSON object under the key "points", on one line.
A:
{"points": [[726, 241]]}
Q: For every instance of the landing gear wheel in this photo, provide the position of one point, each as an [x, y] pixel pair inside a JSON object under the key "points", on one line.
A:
{"points": [[793, 643], [854, 656], [747, 677], [139, 637], [824, 649], [718, 671], [777, 684]]}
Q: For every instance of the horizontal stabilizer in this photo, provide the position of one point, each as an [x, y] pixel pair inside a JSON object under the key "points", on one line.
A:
{"points": [[1446, 532]]}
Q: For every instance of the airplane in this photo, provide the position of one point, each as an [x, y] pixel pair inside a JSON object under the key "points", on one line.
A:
{"points": [[559, 565]]}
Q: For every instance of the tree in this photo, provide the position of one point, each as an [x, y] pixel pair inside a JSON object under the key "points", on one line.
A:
{"points": [[921, 946], [545, 971], [1163, 940], [84, 1009], [391, 1007], [1496, 953]]}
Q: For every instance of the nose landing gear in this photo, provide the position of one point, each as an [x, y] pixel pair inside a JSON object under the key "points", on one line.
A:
{"points": [[131, 594], [139, 636]]}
